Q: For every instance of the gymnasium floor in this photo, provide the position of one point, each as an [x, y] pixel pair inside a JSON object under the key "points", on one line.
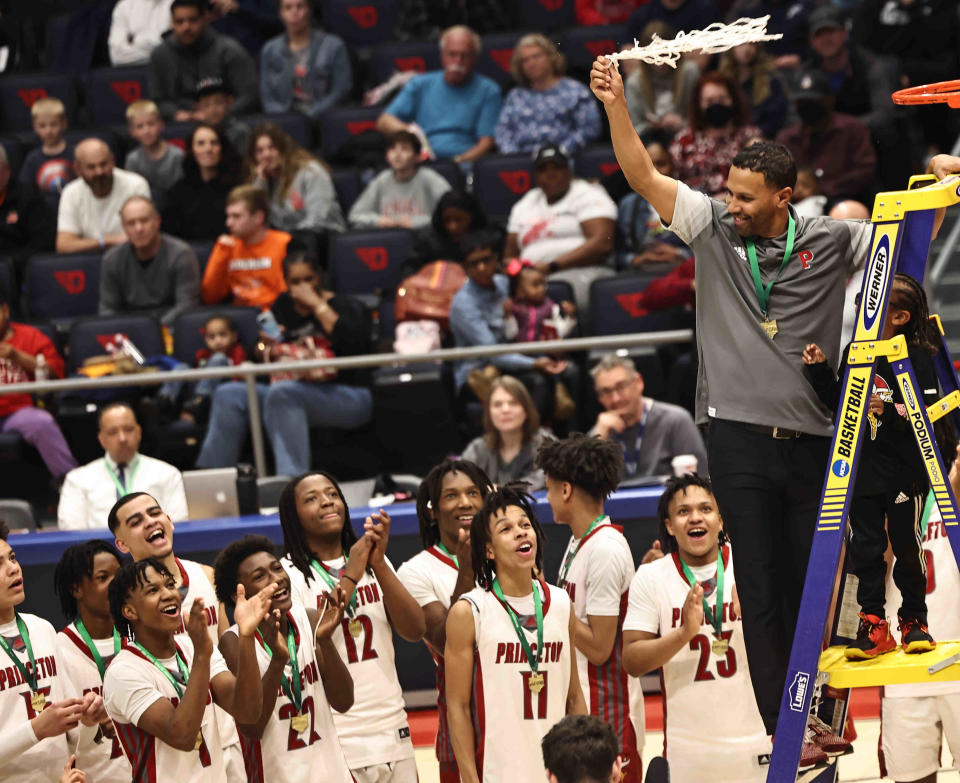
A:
{"points": [[861, 766]]}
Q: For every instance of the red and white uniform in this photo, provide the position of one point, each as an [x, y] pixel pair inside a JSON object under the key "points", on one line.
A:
{"points": [[282, 754], [597, 582], [508, 731], [375, 730], [196, 584], [713, 729], [103, 762], [22, 758], [431, 576], [916, 717], [131, 685]]}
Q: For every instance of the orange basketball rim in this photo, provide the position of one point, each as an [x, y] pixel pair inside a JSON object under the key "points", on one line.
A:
{"points": [[938, 92]]}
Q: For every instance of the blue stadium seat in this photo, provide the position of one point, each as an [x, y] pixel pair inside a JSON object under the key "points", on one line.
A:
{"points": [[361, 22], [500, 180], [404, 56], [188, 329], [108, 137], [89, 336], [8, 281], [177, 133], [18, 93], [494, 60], [63, 286], [560, 291], [614, 309], [367, 262], [449, 170], [111, 90], [337, 126], [293, 123], [51, 332], [546, 15], [582, 45], [595, 162], [347, 184], [202, 251]]}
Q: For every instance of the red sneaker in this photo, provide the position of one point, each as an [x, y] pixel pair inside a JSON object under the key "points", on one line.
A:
{"points": [[915, 638], [811, 754], [873, 639], [824, 737]]}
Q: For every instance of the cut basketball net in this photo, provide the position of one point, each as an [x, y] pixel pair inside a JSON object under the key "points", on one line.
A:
{"points": [[938, 92], [715, 38]]}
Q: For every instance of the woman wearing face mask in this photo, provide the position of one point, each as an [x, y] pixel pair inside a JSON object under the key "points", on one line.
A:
{"points": [[716, 132]]}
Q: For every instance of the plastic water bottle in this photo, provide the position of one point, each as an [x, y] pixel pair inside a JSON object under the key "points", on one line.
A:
{"points": [[248, 496], [42, 370]]}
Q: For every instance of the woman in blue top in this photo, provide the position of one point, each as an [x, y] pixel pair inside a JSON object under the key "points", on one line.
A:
{"points": [[545, 107]]}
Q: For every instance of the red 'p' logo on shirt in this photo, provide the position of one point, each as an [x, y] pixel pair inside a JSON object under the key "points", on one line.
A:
{"points": [[631, 304], [374, 258], [73, 281], [517, 181], [128, 91], [805, 257], [360, 126], [410, 64], [502, 58], [364, 15], [31, 96]]}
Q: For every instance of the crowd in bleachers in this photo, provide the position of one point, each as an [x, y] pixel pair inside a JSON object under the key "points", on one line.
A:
{"points": [[304, 158]]}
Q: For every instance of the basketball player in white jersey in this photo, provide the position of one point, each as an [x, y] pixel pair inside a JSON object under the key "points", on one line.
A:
{"points": [[161, 687], [916, 718], [89, 642], [581, 473], [511, 672], [680, 617], [295, 738], [142, 530], [323, 551], [449, 496], [38, 702]]}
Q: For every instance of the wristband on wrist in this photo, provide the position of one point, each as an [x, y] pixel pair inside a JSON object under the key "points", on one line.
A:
{"points": [[552, 267], [100, 240], [346, 576]]}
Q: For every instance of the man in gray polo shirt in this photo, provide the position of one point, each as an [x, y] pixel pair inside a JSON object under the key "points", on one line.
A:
{"points": [[769, 436], [151, 270]]}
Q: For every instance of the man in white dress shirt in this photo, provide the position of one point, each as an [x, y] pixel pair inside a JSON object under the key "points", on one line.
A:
{"points": [[90, 491]]}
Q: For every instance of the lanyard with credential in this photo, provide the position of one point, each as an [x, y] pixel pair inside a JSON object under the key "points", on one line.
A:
{"points": [[37, 699], [568, 560], [448, 553], [536, 681], [294, 691], [184, 672], [763, 292], [128, 480], [630, 462], [354, 626], [94, 652], [719, 645]]}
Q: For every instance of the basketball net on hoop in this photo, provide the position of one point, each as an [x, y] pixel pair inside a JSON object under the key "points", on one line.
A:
{"points": [[712, 39]]}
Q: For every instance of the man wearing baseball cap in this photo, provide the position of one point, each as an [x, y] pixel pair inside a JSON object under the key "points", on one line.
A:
{"points": [[564, 225], [835, 146]]}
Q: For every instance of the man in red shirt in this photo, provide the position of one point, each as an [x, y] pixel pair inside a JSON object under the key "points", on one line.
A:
{"points": [[20, 347]]}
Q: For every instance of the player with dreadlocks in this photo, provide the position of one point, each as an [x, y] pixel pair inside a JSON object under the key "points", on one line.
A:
{"points": [[447, 500], [510, 645], [89, 642], [321, 552]]}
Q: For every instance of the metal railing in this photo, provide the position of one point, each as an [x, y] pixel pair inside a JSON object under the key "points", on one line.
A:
{"points": [[249, 371]]}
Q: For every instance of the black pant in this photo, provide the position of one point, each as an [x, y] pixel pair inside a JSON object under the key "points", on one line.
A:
{"points": [[768, 491], [868, 541]]}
